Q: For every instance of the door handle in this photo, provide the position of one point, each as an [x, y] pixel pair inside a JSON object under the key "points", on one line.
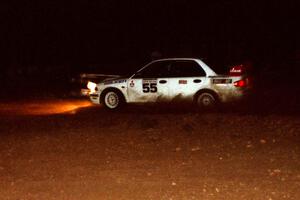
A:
{"points": [[197, 81], [162, 81]]}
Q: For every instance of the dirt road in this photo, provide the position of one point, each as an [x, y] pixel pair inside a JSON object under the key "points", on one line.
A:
{"points": [[87, 153]]}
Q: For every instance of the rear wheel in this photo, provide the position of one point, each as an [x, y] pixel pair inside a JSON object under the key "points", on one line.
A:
{"points": [[206, 100], [112, 99]]}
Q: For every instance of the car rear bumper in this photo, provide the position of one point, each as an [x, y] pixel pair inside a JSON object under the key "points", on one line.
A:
{"points": [[234, 95]]}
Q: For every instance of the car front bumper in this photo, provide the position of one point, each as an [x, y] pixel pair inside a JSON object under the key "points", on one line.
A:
{"points": [[95, 98]]}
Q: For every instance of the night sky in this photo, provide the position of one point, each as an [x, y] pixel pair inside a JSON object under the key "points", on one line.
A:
{"points": [[116, 32]]}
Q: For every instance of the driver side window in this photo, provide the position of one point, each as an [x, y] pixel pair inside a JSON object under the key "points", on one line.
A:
{"points": [[155, 70]]}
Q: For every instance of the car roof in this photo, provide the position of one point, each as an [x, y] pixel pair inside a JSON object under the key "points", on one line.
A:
{"points": [[164, 59], [206, 68]]}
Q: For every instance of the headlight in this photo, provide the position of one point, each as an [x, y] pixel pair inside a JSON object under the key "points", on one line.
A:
{"points": [[92, 86]]}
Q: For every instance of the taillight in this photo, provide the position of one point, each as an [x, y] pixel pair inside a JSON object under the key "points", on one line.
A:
{"points": [[240, 83]]}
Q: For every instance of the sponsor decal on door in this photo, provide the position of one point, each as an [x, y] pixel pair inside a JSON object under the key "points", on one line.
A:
{"points": [[182, 81], [149, 85]]}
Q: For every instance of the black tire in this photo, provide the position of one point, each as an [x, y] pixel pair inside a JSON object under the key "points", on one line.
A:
{"points": [[206, 101], [112, 99]]}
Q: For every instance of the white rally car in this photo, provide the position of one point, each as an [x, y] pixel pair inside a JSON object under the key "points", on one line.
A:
{"points": [[168, 80]]}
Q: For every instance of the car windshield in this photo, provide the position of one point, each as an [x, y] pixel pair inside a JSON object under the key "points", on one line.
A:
{"points": [[215, 65]]}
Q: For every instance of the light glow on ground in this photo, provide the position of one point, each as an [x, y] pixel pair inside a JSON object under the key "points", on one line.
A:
{"points": [[44, 107]]}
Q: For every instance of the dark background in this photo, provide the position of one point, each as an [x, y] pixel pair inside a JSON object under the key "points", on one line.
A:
{"points": [[52, 41]]}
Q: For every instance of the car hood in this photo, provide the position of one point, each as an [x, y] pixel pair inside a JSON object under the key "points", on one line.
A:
{"points": [[109, 81]]}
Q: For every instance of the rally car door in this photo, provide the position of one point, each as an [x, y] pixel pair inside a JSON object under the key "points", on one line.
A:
{"points": [[149, 84], [185, 79]]}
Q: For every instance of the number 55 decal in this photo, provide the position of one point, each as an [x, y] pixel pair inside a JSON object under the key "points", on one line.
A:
{"points": [[149, 87]]}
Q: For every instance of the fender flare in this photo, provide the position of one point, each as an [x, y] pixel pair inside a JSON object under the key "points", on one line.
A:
{"points": [[117, 90], [210, 91]]}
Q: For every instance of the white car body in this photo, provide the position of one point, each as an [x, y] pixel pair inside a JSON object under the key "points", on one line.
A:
{"points": [[144, 87]]}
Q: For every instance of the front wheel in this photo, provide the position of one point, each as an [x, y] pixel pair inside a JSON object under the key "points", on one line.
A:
{"points": [[206, 100], [112, 100]]}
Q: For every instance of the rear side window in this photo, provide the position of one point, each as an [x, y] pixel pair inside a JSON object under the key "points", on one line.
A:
{"points": [[186, 69]]}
